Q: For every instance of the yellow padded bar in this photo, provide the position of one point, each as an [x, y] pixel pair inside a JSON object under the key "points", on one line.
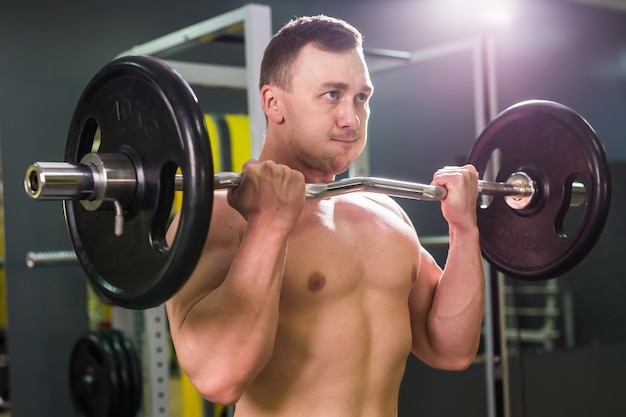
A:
{"points": [[191, 401], [240, 142], [214, 140]]}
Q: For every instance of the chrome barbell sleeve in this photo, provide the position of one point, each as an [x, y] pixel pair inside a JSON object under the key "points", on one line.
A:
{"points": [[59, 181]]}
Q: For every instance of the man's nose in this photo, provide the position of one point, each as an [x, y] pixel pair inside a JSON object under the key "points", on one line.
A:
{"points": [[347, 116]]}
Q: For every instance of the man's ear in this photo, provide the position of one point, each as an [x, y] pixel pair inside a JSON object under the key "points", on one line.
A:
{"points": [[271, 104]]}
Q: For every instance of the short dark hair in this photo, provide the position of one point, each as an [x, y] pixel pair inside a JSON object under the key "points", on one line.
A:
{"points": [[327, 33]]}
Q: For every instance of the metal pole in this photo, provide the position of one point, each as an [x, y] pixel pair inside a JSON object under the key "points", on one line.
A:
{"points": [[497, 369]]}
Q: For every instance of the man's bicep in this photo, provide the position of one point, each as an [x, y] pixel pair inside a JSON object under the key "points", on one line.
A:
{"points": [[213, 265], [421, 299]]}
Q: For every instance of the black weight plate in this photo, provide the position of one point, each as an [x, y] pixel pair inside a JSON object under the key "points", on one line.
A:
{"points": [[136, 376], [132, 374], [555, 146], [94, 384], [145, 110], [113, 337]]}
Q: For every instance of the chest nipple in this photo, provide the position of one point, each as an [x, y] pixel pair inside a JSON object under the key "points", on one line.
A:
{"points": [[317, 281]]}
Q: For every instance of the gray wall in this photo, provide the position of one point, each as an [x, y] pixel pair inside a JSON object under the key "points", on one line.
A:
{"points": [[421, 120]]}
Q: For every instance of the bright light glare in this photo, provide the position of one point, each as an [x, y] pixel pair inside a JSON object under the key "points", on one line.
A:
{"points": [[497, 15], [495, 11], [489, 12]]}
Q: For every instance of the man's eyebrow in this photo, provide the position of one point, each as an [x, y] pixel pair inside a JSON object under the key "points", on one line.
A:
{"points": [[343, 86], [334, 86]]}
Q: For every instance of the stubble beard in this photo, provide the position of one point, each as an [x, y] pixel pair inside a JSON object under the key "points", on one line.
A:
{"points": [[327, 164]]}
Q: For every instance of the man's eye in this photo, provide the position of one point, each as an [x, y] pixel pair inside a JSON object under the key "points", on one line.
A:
{"points": [[362, 97], [333, 95]]}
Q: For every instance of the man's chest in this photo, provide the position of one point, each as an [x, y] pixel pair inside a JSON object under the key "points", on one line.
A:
{"points": [[341, 246]]}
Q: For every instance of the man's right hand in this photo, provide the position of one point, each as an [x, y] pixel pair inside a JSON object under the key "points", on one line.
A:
{"points": [[269, 192]]}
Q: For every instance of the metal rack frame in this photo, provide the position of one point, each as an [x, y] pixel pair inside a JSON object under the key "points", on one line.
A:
{"points": [[255, 21]]}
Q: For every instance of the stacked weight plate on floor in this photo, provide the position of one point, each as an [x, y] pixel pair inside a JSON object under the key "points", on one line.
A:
{"points": [[105, 375]]}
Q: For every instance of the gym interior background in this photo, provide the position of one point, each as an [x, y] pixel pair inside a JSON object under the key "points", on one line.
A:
{"points": [[566, 341]]}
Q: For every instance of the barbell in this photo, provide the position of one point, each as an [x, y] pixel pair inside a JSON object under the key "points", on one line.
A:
{"points": [[138, 122]]}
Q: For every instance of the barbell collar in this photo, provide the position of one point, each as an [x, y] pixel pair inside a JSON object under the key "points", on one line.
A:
{"points": [[114, 178], [524, 182]]}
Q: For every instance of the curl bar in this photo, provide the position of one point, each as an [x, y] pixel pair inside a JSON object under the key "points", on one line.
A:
{"points": [[90, 181]]}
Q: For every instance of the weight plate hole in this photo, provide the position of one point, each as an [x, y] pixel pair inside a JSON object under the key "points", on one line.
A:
{"points": [[492, 168], [574, 207], [90, 138], [97, 139], [163, 209]]}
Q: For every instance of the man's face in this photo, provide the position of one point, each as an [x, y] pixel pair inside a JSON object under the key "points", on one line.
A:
{"points": [[327, 109]]}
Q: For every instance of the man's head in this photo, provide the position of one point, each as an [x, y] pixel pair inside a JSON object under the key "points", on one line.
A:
{"points": [[324, 32], [315, 90]]}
